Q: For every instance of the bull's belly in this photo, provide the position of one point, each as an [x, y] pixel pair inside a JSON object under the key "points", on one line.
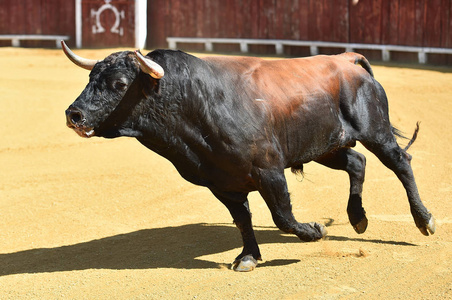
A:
{"points": [[308, 143], [227, 174]]}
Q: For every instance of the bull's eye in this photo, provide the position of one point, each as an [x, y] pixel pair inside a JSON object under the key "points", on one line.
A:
{"points": [[120, 85]]}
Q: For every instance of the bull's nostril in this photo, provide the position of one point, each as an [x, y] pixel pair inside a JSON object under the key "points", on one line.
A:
{"points": [[74, 117]]}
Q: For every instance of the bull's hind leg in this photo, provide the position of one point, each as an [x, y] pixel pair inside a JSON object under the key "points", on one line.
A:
{"points": [[354, 164], [398, 160], [237, 205], [272, 186]]}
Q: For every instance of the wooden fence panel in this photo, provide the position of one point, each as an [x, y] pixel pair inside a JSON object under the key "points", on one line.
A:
{"points": [[158, 22], [438, 29], [341, 25], [445, 23], [37, 17], [264, 10], [57, 17], [304, 20], [419, 22], [432, 34], [366, 22], [448, 44], [108, 25], [242, 27], [393, 32], [315, 20], [292, 19], [425, 23]]}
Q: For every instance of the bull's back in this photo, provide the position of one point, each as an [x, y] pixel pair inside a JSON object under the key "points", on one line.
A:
{"points": [[304, 97], [300, 99]]}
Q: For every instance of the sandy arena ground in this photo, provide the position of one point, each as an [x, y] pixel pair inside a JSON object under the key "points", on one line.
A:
{"points": [[109, 219]]}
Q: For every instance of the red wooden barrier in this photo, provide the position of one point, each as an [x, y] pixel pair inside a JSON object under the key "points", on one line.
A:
{"points": [[37, 17], [425, 23]]}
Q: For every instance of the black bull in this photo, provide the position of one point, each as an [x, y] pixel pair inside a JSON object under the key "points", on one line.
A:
{"points": [[234, 124]]}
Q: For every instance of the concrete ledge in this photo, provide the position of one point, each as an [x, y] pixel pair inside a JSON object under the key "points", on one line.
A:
{"points": [[313, 46], [16, 38]]}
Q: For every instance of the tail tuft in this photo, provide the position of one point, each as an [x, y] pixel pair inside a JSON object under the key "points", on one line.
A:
{"points": [[399, 134], [414, 137]]}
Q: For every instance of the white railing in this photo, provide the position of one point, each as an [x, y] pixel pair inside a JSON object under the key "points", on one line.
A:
{"points": [[313, 45], [16, 38]]}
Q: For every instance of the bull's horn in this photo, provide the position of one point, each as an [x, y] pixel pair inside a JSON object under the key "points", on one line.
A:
{"points": [[79, 61], [149, 66]]}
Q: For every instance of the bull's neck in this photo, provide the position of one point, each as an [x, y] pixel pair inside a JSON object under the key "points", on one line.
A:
{"points": [[170, 114]]}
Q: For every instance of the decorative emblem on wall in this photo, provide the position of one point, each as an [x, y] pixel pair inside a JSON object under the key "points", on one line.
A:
{"points": [[98, 28]]}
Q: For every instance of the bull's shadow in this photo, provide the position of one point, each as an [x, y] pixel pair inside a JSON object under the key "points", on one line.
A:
{"points": [[169, 247]]}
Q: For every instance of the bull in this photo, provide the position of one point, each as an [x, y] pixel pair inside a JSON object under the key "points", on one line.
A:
{"points": [[234, 124]]}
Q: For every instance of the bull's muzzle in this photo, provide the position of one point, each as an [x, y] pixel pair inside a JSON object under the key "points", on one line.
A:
{"points": [[76, 120]]}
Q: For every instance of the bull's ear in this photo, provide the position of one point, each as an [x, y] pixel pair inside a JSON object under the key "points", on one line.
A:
{"points": [[149, 66]]}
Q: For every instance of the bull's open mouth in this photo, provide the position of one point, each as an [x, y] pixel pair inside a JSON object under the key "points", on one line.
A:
{"points": [[83, 132]]}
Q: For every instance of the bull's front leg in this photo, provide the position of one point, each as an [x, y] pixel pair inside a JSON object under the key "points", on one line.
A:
{"points": [[272, 185], [237, 204]]}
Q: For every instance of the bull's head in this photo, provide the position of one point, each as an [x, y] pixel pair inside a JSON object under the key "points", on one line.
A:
{"points": [[110, 82]]}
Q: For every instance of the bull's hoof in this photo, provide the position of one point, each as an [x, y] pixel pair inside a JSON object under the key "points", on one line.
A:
{"points": [[245, 264], [320, 228], [361, 226], [429, 228]]}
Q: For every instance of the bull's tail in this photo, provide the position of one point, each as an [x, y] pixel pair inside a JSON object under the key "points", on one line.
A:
{"points": [[356, 58], [397, 132]]}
